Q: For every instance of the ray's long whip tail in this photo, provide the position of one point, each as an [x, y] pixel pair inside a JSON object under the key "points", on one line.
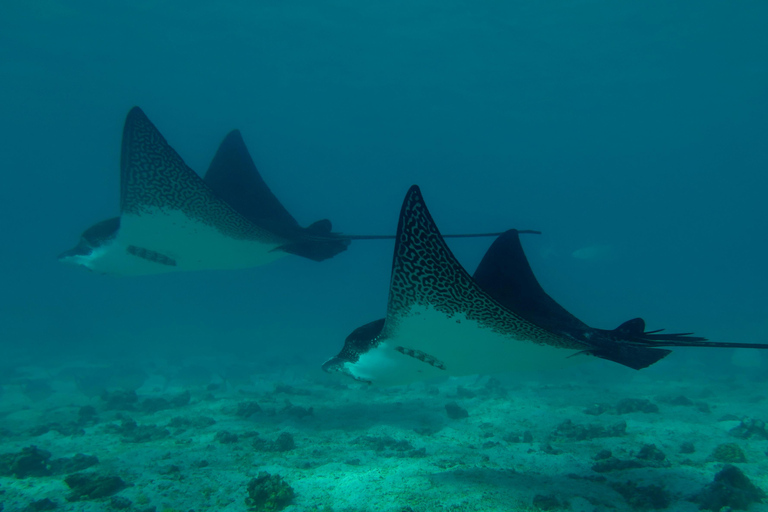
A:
{"points": [[461, 235]]}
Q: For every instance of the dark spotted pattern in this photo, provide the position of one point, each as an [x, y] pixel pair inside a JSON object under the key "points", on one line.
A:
{"points": [[425, 273], [152, 256], [153, 175], [422, 356]]}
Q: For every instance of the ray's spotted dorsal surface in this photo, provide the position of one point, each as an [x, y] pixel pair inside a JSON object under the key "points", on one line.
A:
{"points": [[441, 321]]}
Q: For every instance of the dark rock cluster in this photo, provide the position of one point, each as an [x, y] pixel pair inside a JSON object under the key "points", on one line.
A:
{"points": [[389, 446], [132, 432], [283, 443], [750, 428], [91, 486], [639, 497], [624, 406], [269, 493], [34, 462], [730, 488], [648, 456], [455, 411], [570, 431]]}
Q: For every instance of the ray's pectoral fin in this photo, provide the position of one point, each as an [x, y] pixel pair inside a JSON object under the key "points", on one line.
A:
{"points": [[633, 347], [317, 242], [630, 356]]}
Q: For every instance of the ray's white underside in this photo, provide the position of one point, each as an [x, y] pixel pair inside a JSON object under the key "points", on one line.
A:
{"points": [[464, 347], [190, 243]]}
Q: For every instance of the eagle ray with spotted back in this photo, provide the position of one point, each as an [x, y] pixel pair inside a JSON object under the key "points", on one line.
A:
{"points": [[173, 220], [443, 322]]}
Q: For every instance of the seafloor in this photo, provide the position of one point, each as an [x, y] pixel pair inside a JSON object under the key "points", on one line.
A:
{"points": [[179, 436]]}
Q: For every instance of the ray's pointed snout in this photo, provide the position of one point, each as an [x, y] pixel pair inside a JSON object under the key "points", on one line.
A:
{"points": [[69, 255], [333, 365]]}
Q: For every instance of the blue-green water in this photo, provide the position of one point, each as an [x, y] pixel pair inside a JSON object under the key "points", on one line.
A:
{"points": [[632, 135]]}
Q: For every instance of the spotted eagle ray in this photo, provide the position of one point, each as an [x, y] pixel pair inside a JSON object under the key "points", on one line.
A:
{"points": [[173, 220], [441, 321]]}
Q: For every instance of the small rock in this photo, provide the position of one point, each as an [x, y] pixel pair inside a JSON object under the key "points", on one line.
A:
{"points": [[703, 407], [30, 461], [284, 442], [87, 415], [455, 411], [462, 392], [154, 404], [614, 464], [549, 449], [120, 502], [602, 455], [651, 453], [730, 488], [181, 399], [225, 437], [183, 422], [749, 428], [596, 409], [120, 400], [290, 390], [78, 462], [171, 469], [728, 452], [679, 400], [40, 505], [640, 497], [630, 405], [297, 411], [90, 486], [546, 502], [247, 409], [269, 493]]}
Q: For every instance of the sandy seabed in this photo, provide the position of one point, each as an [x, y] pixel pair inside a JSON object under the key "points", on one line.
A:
{"points": [[178, 437]]}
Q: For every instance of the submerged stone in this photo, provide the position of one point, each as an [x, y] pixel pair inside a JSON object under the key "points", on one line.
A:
{"points": [[455, 411], [630, 405], [730, 488], [29, 462], [640, 497], [268, 493], [728, 452], [90, 486]]}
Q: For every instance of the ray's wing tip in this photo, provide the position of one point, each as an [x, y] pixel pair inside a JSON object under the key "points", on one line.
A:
{"points": [[135, 114], [234, 135], [414, 194]]}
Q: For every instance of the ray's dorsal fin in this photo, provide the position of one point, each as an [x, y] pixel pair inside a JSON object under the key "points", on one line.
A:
{"points": [[153, 177], [505, 274], [234, 177], [426, 273]]}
